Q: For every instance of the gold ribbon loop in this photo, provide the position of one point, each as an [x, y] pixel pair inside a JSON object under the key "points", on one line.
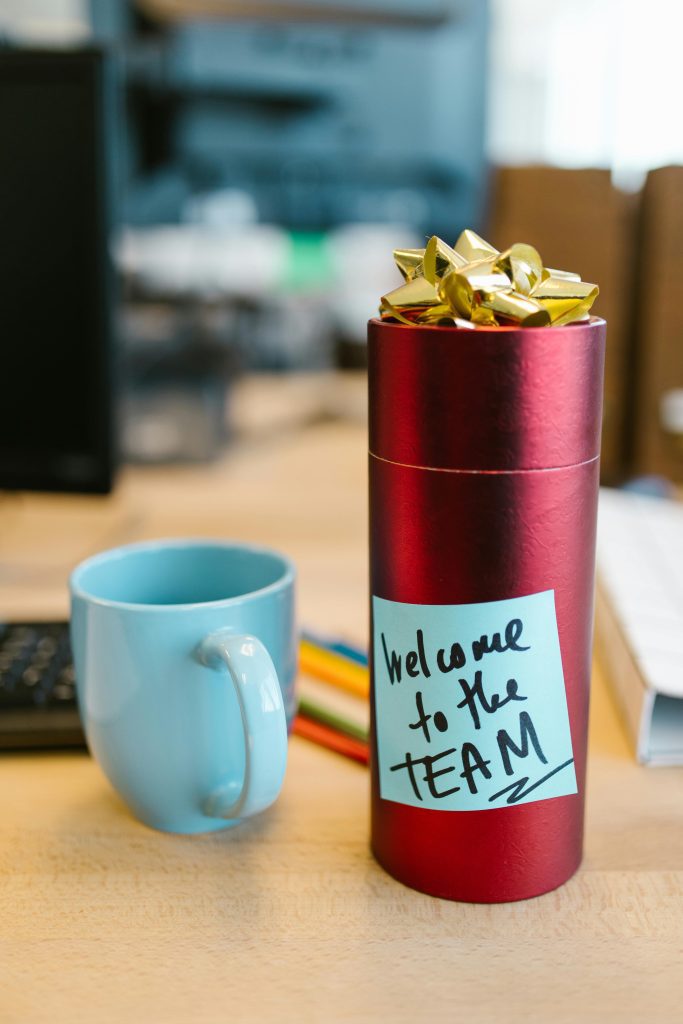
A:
{"points": [[439, 258], [409, 262], [473, 247], [522, 264], [566, 300], [472, 283]]}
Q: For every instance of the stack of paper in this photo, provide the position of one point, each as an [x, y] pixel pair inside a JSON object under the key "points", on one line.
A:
{"points": [[639, 620]]}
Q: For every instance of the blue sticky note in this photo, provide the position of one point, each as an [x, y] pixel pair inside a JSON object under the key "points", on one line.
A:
{"points": [[470, 704]]}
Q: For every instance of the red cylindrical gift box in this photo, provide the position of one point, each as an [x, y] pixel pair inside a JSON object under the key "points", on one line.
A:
{"points": [[484, 463]]}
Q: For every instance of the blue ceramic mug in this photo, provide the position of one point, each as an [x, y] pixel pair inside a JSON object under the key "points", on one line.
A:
{"points": [[185, 657]]}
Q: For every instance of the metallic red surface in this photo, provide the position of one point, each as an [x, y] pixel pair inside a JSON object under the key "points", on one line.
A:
{"points": [[524, 406], [494, 398]]}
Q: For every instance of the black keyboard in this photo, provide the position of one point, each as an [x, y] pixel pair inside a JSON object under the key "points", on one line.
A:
{"points": [[37, 689]]}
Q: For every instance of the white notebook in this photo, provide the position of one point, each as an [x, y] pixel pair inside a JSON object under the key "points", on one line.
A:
{"points": [[639, 618]]}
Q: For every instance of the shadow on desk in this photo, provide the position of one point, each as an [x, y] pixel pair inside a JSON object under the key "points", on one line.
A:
{"points": [[634, 814]]}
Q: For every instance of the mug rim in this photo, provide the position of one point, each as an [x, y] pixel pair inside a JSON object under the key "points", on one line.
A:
{"points": [[77, 589]]}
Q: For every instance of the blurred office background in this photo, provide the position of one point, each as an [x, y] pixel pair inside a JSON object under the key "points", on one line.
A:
{"points": [[264, 158]]}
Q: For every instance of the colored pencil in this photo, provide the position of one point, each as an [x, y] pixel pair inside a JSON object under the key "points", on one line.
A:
{"points": [[336, 646], [332, 719], [334, 668], [335, 741]]}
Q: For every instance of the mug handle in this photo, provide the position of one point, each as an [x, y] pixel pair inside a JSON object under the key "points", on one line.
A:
{"points": [[263, 719]]}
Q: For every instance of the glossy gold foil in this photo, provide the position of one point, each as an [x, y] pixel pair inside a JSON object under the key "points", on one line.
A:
{"points": [[472, 283]]}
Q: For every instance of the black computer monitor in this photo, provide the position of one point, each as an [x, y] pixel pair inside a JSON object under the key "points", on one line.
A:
{"points": [[56, 357]]}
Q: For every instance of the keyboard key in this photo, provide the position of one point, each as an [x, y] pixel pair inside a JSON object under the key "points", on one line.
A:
{"points": [[63, 692], [31, 677], [34, 659]]}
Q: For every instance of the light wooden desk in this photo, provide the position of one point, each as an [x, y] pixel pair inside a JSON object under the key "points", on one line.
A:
{"points": [[288, 918]]}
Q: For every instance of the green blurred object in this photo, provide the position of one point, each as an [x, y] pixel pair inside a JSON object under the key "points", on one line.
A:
{"points": [[309, 267]]}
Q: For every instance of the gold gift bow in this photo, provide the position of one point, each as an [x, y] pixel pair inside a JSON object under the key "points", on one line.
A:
{"points": [[473, 283]]}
